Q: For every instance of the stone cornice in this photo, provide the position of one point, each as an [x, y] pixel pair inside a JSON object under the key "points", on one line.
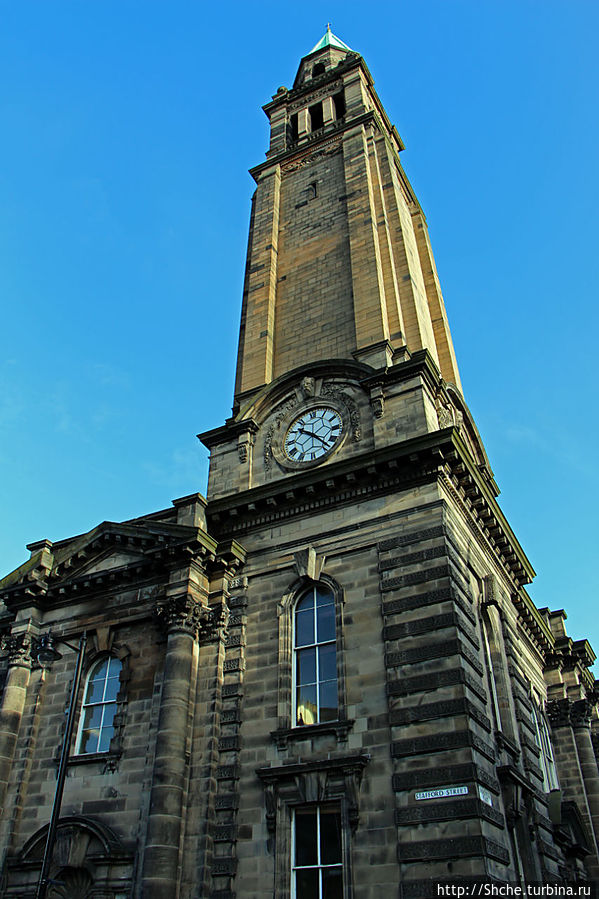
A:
{"points": [[225, 432], [420, 363], [345, 763], [418, 460], [334, 483], [286, 96], [314, 140]]}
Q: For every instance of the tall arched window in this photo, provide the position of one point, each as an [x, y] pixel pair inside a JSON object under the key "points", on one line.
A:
{"points": [[96, 727], [487, 629], [315, 658], [546, 760]]}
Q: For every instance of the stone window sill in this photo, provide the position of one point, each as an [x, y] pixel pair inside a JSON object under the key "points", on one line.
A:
{"points": [[309, 731], [108, 759]]}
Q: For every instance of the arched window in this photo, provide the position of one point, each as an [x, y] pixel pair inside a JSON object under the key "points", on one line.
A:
{"points": [[487, 629], [546, 760], [96, 727], [315, 658]]}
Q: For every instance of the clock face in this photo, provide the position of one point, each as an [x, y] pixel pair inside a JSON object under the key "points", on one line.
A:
{"points": [[313, 434]]}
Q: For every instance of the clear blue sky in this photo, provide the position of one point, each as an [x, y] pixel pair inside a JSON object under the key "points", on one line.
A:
{"points": [[128, 129]]}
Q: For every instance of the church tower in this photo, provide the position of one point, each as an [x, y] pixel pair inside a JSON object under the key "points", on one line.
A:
{"points": [[326, 680], [354, 476], [339, 263]]}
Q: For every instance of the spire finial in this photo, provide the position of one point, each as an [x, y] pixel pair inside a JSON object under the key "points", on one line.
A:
{"points": [[329, 40]]}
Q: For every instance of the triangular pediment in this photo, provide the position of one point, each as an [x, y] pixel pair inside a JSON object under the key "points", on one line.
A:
{"points": [[110, 546], [109, 560], [115, 545]]}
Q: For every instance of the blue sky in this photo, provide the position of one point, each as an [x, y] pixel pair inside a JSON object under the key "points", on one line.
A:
{"points": [[128, 129]]}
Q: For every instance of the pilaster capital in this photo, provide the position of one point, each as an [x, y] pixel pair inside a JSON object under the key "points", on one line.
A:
{"points": [[558, 712], [18, 647], [580, 713], [564, 712], [214, 625], [184, 613]]}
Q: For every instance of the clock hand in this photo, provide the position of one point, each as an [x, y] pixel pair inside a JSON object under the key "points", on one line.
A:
{"points": [[311, 434]]}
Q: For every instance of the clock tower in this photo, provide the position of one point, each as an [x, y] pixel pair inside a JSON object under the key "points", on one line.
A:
{"points": [[352, 473], [326, 680]]}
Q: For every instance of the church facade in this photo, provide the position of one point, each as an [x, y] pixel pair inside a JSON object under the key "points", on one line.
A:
{"points": [[326, 678]]}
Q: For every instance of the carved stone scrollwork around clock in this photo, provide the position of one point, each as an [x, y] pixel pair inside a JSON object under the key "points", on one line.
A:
{"points": [[268, 448], [310, 425], [282, 412], [332, 391]]}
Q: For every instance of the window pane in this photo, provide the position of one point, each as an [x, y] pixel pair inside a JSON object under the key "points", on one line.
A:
{"points": [[306, 884], [89, 741], [304, 627], [90, 733], [112, 688], [306, 666], [109, 713], [330, 837], [92, 717], [105, 738], [326, 623], [328, 701], [323, 597], [305, 837], [95, 691], [306, 603], [100, 670], [332, 883], [114, 667], [306, 705], [327, 662]]}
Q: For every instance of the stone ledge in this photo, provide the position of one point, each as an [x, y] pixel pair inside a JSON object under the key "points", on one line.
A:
{"points": [[310, 731], [460, 847], [441, 743], [448, 811], [449, 708]]}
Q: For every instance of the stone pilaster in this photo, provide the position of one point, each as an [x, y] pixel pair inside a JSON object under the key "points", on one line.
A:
{"points": [[581, 725], [576, 763], [182, 617], [13, 702]]}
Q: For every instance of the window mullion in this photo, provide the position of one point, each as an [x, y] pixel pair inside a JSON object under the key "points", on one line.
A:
{"points": [[317, 654], [318, 859], [101, 726], [318, 835], [104, 688]]}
